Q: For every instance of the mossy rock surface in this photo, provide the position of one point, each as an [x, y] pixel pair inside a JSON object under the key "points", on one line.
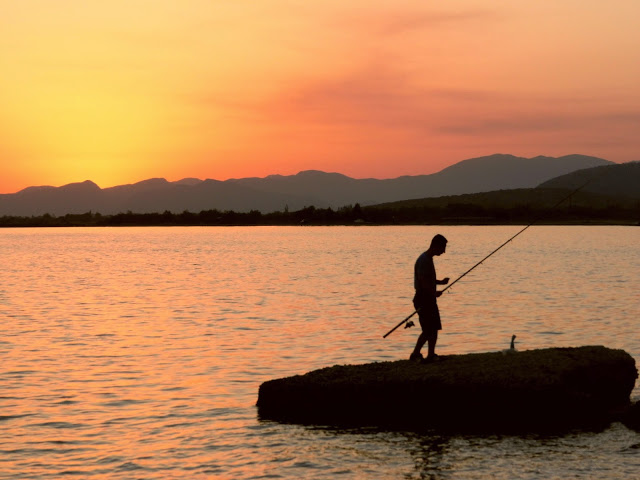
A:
{"points": [[534, 389]]}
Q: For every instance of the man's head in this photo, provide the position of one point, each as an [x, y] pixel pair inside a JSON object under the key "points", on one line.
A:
{"points": [[438, 244]]}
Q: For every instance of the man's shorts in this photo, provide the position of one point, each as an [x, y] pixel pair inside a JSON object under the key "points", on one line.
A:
{"points": [[428, 313]]}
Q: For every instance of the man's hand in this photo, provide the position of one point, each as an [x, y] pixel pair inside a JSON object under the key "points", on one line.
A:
{"points": [[438, 294]]}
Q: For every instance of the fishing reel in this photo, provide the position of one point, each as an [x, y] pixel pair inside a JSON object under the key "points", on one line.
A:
{"points": [[409, 324]]}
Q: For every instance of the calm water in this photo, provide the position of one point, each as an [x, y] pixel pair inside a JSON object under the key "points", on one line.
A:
{"points": [[137, 353]]}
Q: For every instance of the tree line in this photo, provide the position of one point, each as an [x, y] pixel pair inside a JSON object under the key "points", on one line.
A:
{"points": [[450, 214]]}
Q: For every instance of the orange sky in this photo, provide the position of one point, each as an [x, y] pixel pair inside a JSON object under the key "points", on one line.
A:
{"points": [[123, 90]]}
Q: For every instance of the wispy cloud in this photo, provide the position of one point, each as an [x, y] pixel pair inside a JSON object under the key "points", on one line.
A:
{"points": [[393, 22], [551, 121]]}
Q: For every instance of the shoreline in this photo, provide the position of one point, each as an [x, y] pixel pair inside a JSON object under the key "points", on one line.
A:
{"points": [[244, 220], [547, 224]]}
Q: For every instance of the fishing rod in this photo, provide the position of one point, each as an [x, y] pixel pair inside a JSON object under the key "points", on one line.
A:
{"points": [[485, 258]]}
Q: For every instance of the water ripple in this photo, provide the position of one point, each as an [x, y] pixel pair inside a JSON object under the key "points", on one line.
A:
{"points": [[147, 365]]}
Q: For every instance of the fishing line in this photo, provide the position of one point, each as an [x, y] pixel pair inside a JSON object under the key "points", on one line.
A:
{"points": [[485, 258]]}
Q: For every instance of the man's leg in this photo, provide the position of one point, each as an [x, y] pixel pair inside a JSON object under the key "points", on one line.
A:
{"points": [[422, 339], [432, 339]]}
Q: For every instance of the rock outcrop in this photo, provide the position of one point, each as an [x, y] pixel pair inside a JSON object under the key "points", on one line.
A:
{"points": [[544, 389]]}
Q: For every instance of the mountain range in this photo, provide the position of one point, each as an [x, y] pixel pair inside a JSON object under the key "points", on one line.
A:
{"points": [[307, 188]]}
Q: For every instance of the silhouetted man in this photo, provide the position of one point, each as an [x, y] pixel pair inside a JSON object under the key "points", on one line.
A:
{"points": [[424, 301]]}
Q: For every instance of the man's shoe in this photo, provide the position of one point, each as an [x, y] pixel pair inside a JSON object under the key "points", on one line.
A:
{"points": [[416, 357], [431, 359]]}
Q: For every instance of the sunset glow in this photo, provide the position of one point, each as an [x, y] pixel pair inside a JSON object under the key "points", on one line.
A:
{"points": [[120, 91]]}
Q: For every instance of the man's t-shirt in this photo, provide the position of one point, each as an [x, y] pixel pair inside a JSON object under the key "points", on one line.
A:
{"points": [[425, 269]]}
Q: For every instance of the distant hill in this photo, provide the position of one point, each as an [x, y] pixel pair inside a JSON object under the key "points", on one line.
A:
{"points": [[613, 180], [148, 196], [599, 187], [277, 192], [520, 197], [481, 174]]}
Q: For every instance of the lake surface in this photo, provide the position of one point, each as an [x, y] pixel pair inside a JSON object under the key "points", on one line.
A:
{"points": [[137, 353]]}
